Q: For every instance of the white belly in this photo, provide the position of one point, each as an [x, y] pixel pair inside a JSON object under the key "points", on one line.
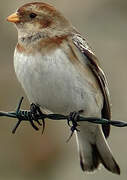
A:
{"points": [[55, 84]]}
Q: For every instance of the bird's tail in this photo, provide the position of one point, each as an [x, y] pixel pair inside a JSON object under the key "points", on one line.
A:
{"points": [[93, 150]]}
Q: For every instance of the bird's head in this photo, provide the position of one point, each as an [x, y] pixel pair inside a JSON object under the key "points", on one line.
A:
{"points": [[41, 18]]}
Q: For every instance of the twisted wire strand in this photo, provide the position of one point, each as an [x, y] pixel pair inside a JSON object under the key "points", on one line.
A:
{"points": [[23, 115]]}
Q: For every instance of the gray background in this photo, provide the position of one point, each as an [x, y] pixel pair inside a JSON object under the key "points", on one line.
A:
{"points": [[28, 155]]}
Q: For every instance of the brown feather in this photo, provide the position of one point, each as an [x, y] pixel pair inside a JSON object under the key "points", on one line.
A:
{"points": [[39, 5], [83, 47]]}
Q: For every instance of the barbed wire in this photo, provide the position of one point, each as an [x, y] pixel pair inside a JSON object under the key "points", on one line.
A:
{"points": [[25, 115]]}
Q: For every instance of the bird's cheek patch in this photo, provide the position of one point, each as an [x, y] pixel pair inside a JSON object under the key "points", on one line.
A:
{"points": [[45, 23]]}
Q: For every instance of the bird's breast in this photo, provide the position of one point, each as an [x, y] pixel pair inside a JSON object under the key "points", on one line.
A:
{"points": [[53, 82]]}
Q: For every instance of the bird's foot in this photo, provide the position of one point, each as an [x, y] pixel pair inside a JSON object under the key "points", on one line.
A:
{"points": [[32, 115], [72, 122], [36, 112]]}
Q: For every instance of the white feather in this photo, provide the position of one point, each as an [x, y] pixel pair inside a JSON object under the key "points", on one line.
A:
{"points": [[54, 83]]}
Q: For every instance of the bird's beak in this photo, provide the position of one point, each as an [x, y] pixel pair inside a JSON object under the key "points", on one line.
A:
{"points": [[13, 18]]}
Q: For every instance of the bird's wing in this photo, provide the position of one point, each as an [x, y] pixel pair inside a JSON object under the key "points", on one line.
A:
{"points": [[78, 42]]}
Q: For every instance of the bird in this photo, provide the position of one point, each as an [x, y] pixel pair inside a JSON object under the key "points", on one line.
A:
{"points": [[60, 73]]}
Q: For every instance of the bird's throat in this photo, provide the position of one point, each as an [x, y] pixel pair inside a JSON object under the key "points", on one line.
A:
{"points": [[32, 38]]}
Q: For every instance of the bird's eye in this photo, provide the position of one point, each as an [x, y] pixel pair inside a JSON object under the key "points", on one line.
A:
{"points": [[32, 15]]}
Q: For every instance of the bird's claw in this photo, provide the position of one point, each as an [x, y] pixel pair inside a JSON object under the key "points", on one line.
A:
{"points": [[32, 115], [37, 112], [72, 122]]}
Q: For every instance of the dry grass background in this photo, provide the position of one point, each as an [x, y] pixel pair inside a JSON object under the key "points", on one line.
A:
{"points": [[28, 155]]}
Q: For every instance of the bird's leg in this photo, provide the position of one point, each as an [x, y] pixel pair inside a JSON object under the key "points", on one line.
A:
{"points": [[35, 113], [73, 118]]}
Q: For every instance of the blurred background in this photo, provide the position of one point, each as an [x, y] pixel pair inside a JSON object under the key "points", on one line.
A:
{"points": [[28, 155]]}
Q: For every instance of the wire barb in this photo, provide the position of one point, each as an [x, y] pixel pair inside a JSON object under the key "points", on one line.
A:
{"points": [[27, 115], [18, 117]]}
